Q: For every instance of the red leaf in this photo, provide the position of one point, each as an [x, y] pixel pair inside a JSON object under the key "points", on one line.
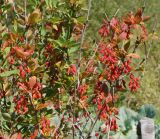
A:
{"points": [[34, 134], [138, 16], [21, 53], [32, 81], [44, 105], [5, 44], [146, 18], [19, 136], [22, 86]]}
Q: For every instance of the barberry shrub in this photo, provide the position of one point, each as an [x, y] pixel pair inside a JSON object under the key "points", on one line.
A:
{"points": [[54, 83]]}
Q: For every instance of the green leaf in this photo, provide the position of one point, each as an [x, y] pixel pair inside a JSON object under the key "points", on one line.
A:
{"points": [[126, 46], [51, 3], [6, 116], [6, 51], [73, 49], [6, 127], [43, 31], [34, 17], [58, 42], [9, 73], [55, 20], [15, 26]]}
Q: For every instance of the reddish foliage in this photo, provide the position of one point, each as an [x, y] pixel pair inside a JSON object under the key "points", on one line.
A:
{"points": [[72, 70], [45, 125]]}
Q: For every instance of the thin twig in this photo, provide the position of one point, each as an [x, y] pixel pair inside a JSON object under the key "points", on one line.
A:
{"points": [[92, 57], [54, 132], [85, 110], [25, 14], [82, 41], [109, 128], [79, 59], [92, 126], [116, 12]]}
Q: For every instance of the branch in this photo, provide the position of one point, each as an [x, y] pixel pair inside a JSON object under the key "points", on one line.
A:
{"points": [[54, 132], [82, 41]]}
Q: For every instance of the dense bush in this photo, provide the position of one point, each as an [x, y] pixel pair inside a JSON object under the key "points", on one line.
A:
{"points": [[53, 81]]}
